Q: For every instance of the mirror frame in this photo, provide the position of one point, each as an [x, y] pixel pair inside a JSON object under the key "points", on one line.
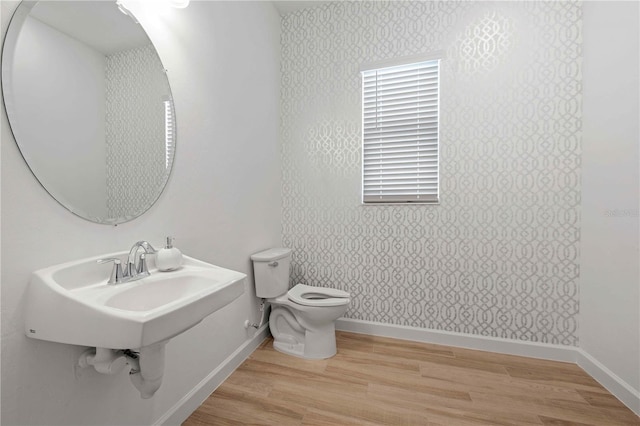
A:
{"points": [[14, 27]]}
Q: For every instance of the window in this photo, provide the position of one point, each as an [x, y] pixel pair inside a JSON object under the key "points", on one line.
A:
{"points": [[400, 106], [169, 133]]}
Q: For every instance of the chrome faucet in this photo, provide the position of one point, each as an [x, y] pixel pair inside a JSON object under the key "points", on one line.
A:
{"points": [[116, 276], [136, 267]]}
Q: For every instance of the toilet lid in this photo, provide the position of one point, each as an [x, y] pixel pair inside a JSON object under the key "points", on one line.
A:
{"points": [[318, 296]]}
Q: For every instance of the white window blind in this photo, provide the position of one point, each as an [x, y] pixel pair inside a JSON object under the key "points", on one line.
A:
{"points": [[169, 133], [400, 109]]}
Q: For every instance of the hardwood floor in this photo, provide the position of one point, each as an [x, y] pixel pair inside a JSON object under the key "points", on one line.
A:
{"points": [[375, 380]]}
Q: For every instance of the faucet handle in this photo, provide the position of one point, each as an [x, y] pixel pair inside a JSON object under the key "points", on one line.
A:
{"points": [[142, 268], [116, 272]]}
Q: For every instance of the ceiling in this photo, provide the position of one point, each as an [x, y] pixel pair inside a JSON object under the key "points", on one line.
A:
{"points": [[97, 24], [94, 22]]}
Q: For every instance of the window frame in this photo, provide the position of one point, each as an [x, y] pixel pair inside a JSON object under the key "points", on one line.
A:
{"points": [[432, 174], [169, 132]]}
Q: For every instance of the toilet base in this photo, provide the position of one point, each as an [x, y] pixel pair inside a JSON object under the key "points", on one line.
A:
{"points": [[298, 349], [300, 338], [295, 349]]}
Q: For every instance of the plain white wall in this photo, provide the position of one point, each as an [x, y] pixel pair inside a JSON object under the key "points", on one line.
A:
{"points": [[609, 284], [59, 83], [222, 204]]}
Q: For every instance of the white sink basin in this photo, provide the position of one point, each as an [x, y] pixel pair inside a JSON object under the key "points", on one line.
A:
{"points": [[72, 303]]}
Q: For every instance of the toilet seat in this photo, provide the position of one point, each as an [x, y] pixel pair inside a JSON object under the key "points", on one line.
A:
{"points": [[317, 296]]}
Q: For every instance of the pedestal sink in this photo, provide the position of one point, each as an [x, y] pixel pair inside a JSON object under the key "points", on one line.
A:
{"points": [[127, 323]]}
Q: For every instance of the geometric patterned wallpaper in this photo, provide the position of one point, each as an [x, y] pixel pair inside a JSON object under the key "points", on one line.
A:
{"points": [[136, 86], [499, 255]]}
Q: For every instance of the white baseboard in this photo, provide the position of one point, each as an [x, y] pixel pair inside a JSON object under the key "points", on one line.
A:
{"points": [[192, 400], [614, 384], [461, 340]]}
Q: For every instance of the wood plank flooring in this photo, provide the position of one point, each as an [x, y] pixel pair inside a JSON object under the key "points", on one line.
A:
{"points": [[375, 380]]}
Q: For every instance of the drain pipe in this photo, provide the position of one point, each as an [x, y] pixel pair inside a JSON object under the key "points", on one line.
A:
{"points": [[147, 369], [146, 366], [247, 324], [105, 361]]}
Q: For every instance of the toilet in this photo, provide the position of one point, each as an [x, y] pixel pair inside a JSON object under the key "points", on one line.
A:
{"points": [[302, 319]]}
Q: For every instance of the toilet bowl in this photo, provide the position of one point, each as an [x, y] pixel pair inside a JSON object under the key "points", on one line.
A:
{"points": [[307, 330], [302, 319]]}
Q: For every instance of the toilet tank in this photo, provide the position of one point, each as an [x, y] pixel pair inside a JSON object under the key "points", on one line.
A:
{"points": [[271, 272]]}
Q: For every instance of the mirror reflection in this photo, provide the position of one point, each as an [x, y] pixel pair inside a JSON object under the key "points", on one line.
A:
{"points": [[90, 106]]}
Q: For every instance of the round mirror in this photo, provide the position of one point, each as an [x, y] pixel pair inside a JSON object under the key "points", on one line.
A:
{"points": [[90, 106]]}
